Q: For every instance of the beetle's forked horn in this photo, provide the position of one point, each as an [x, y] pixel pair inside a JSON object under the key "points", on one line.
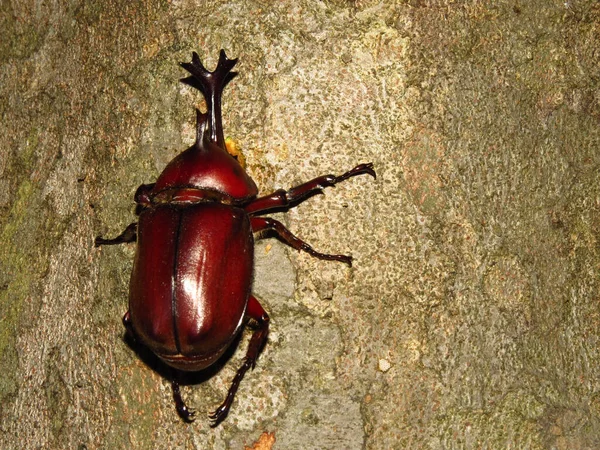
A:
{"points": [[211, 84]]}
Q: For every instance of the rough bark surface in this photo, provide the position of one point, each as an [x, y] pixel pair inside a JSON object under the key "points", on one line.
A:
{"points": [[471, 317]]}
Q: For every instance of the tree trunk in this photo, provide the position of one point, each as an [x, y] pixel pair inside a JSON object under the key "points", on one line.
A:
{"points": [[471, 315]]}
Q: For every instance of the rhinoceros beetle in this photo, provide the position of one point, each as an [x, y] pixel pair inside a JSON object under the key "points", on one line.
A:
{"points": [[190, 289]]}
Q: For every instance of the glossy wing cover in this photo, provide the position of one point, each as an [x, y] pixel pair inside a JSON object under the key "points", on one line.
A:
{"points": [[191, 281]]}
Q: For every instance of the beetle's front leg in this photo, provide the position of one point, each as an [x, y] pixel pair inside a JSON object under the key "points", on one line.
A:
{"points": [[128, 235], [256, 312], [266, 223], [282, 199]]}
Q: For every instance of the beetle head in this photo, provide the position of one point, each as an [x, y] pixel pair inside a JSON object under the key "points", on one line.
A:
{"points": [[205, 170]]}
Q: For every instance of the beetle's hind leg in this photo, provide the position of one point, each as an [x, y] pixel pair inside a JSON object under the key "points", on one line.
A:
{"points": [[128, 235], [282, 199], [266, 223], [187, 414], [256, 312]]}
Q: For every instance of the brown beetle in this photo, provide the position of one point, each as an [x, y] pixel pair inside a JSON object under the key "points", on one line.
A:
{"points": [[190, 289]]}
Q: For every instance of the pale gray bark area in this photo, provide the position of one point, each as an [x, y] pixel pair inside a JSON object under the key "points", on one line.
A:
{"points": [[471, 316]]}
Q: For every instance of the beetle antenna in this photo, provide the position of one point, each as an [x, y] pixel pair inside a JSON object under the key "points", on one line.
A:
{"points": [[211, 84]]}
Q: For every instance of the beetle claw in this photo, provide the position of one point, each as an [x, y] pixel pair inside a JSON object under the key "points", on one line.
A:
{"points": [[368, 168], [128, 235], [346, 259], [218, 415], [365, 168], [188, 414]]}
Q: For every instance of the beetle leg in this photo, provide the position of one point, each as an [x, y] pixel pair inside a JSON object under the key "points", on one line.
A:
{"points": [[129, 235], [256, 312], [282, 199], [142, 194], [187, 414], [266, 223]]}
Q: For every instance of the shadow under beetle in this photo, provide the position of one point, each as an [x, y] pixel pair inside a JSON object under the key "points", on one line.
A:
{"points": [[190, 289]]}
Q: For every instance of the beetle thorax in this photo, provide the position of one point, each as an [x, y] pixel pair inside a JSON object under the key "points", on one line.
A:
{"points": [[204, 173]]}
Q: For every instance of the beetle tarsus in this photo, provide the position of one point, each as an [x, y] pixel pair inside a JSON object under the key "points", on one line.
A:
{"points": [[128, 235], [366, 168], [219, 415], [187, 414], [256, 312], [285, 200], [267, 223]]}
